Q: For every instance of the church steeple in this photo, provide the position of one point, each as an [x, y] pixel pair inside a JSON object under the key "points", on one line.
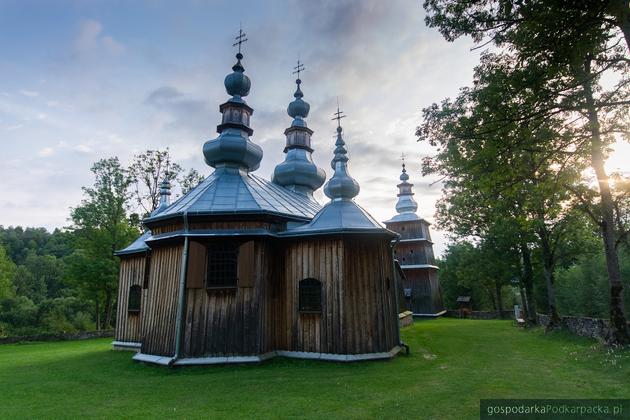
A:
{"points": [[406, 203], [298, 172], [233, 148], [341, 186], [165, 194]]}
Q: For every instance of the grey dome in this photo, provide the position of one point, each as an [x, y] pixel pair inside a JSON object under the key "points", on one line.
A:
{"points": [[237, 83], [298, 108], [341, 185], [233, 147], [298, 172]]}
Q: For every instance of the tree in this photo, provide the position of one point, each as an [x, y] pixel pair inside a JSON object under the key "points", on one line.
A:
{"points": [[100, 227], [575, 46], [497, 20], [190, 180], [19, 242], [621, 204], [7, 271], [477, 271], [146, 172], [499, 168]]}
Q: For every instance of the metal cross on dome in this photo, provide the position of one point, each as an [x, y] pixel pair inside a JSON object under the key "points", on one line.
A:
{"points": [[240, 39], [337, 115], [298, 68]]}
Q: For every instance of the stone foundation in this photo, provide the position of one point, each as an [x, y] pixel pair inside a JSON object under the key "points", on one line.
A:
{"points": [[506, 314], [405, 319], [82, 335]]}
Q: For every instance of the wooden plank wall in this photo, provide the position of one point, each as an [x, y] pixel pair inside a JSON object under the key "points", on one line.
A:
{"points": [[157, 230], [426, 294], [227, 322], [370, 299], [358, 300], [158, 318], [408, 230], [322, 260], [131, 273]]}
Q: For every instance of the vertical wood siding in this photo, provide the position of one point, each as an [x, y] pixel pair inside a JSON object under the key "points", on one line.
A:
{"points": [[426, 295], [128, 325], [158, 318], [228, 322], [358, 301]]}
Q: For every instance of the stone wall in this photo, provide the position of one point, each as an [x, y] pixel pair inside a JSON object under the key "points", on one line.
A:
{"points": [[582, 326], [82, 335], [507, 314]]}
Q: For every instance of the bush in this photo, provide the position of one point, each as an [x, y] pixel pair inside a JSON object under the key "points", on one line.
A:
{"points": [[19, 312], [64, 314]]}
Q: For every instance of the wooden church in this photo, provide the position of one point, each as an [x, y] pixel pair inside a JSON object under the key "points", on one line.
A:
{"points": [[241, 269], [421, 293]]}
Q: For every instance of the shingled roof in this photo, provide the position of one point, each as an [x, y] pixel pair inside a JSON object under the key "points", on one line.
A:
{"points": [[230, 191], [340, 216]]}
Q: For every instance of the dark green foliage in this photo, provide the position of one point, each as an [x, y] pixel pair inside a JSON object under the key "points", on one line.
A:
{"points": [[483, 271], [19, 316], [19, 242], [582, 287], [7, 271], [100, 227]]}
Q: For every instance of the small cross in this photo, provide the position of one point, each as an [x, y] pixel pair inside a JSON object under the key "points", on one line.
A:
{"points": [[240, 39], [337, 115], [298, 68]]}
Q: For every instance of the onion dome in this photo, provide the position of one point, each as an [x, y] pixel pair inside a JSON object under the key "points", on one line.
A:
{"points": [[406, 203], [237, 83], [233, 148], [342, 215], [341, 186], [298, 172], [298, 108], [165, 194]]}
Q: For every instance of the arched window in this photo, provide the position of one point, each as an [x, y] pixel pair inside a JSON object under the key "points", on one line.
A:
{"points": [[310, 295], [135, 295]]}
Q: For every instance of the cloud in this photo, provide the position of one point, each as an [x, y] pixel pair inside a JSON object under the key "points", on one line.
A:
{"points": [[46, 151], [29, 93], [112, 46], [184, 113], [82, 148], [89, 39], [88, 35]]}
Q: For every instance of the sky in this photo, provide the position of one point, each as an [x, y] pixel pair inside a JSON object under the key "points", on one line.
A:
{"points": [[85, 80]]}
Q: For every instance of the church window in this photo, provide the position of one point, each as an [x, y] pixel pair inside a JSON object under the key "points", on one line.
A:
{"points": [[310, 295], [222, 266], [135, 295]]}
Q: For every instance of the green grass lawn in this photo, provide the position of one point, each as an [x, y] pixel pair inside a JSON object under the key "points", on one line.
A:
{"points": [[453, 363]]}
